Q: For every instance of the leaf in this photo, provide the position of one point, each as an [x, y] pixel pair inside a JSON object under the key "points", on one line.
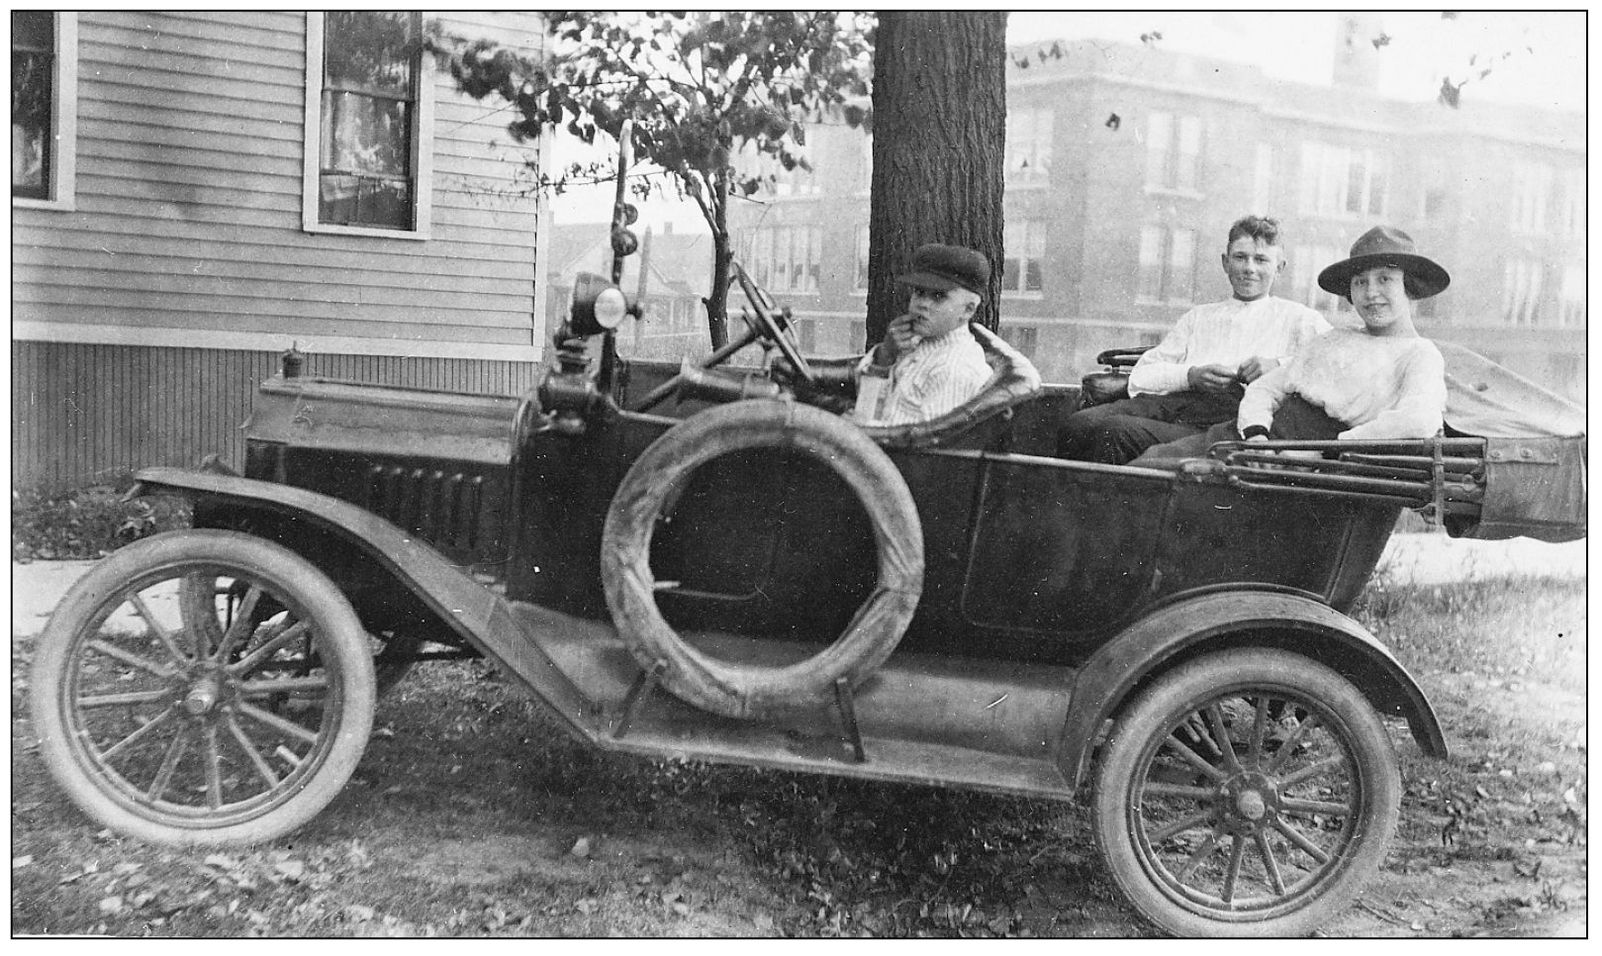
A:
{"points": [[18, 862], [293, 869]]}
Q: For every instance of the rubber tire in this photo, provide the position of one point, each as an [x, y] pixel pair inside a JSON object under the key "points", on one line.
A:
{"points": [[1196, 681], [344, 646], [748, 691]]}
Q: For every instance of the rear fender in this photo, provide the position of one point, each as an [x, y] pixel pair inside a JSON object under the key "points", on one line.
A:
{"points": [[458, 603], [1222, 619]]}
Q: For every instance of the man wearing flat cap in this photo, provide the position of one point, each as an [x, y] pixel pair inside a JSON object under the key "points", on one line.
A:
{"points": [[929, 362]]}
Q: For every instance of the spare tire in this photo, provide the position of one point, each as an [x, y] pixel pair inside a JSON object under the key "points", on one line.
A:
{"points": [[745, 690]]}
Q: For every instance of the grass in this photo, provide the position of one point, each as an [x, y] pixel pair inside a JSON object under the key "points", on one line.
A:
{"points": [[87, 522]]}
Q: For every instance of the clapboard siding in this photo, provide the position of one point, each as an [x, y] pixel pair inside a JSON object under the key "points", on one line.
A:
{"points": [[82, 413], [191, 144]]}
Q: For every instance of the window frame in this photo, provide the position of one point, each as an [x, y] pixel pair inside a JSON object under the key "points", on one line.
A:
{"points": [[422, 148], [1031, 232], [1030, 135], [1171, 168], [62, 181], [1326, 172], [1164, 266]]}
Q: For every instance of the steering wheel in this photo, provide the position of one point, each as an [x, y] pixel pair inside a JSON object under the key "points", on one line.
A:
{"points": [[768, 325]]}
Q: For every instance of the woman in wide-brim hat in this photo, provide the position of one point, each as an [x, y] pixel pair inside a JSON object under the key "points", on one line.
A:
{"points": [[1382, 381]]}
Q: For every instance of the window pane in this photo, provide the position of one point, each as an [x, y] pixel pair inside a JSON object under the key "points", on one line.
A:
{"points": [[32, 66], [1182, 266], [371, 50], [1151, 274]]}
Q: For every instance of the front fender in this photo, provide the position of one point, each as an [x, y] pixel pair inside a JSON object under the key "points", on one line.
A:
{"points": [[478, 615], [1191, 626]]}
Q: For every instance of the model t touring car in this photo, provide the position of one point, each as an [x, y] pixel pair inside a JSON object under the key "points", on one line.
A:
{"points": [[709, 563]]}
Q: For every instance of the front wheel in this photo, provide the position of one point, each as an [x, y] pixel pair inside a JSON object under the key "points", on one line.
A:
{"points": [[1251, 792], [182, 728]]}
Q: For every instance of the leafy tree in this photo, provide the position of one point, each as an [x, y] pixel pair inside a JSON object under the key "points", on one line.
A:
{"points": [[693, 90], [939, 119]]}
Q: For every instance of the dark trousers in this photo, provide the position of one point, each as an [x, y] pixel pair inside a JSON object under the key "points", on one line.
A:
{"points": [[1117, 432], [1296, 419]]}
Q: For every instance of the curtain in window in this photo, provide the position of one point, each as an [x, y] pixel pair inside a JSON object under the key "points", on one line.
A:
{"points": [[32, 68], [369, 99]]}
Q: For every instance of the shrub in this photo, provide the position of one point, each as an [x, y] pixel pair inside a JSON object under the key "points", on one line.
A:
{"points": [[87, 522]]}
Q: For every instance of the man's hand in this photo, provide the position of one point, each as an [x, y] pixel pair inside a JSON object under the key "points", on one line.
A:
{"points": [[1256, 367], [1216, 379], [899, 338]]}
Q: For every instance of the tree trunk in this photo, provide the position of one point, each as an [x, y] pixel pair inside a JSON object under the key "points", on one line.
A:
{"points": [[939, 135], [717, 300]]}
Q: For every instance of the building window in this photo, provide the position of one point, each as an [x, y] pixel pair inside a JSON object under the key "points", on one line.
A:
{"points": [[1521, 292], [1029, 147], [44, 93], [372, 120], [1167, 265], [1263, 177], [1574, 204], [1022, 267], [1173, 150], [786, 258], [1025, 338], [1305, 264], [1343, 183], [1571, 313], [1532, 192], [856, 335], [806, 333], [861, 281]]}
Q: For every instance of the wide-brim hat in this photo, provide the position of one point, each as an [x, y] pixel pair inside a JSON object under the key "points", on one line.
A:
{"points": [[941, 268], [1386, 246]]}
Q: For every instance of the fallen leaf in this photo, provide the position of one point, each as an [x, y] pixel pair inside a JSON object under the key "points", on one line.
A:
{"points": [[123, 869], [360, 914], [111, 904], [581, 848], [683, 909], [585, 906], [293, 869], [18, 862]]}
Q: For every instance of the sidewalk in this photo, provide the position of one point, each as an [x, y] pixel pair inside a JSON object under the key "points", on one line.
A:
{"points": [[36, 587]]}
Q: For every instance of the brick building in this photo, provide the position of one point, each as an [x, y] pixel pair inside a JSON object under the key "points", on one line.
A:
{"points": [[1126, 165]]}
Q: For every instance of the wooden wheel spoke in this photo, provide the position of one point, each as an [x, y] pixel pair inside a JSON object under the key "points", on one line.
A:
{"points": [[239, 628], [278, 723], [1269, 863], [132, 659], [1295, 836], [1254, 748], [1196, 859], [146, 729], [127, 698], [169, 763], [249, 747], [162, 634], [1312, 770], [1237, 850], [1293, 805], [1220, 731], [213, 760], [1193, 758], [1289, 746], [284, 685], [1178, 790], [252, 660], [1182, 824]]}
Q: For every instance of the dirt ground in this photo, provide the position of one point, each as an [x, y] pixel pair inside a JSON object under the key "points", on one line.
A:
{"points": [[465, 820]]}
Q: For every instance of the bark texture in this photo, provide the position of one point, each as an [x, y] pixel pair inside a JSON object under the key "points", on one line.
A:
{"points": [[939, 117]]}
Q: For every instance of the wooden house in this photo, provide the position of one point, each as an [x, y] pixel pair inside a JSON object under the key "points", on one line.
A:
{"points": [[193, 192]]}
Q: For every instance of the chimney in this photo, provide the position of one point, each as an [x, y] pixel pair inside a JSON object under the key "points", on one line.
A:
{"points": [[1356, 56]]}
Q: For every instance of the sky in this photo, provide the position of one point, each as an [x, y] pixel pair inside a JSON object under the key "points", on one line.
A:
{"points": [[1545, 65]]}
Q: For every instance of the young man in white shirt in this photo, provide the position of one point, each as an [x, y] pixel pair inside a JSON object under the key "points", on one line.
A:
{"points": [[1195, 377]]}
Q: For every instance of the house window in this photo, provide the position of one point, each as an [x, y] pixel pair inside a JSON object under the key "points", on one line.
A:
{"points": [[372, 121], [806, 333], [1173, 148], [1571, 312], [1024, 338], [786, 258], [1343, 183], [856, 335], [861, 283], [1521, 292], [1021, 270], [1029, 147], [1305, 266], [44, 93], [1167, 265]]}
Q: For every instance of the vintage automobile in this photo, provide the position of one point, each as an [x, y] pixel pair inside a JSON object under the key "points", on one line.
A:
{"points": [[710, 563]]}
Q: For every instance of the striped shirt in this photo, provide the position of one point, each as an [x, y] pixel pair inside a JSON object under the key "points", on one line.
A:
{"points": [[930, 379], [1225, 333]]}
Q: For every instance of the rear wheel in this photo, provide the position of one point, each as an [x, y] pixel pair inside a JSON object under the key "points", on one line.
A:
{"points": [[179, 727], [1251, 792]]}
